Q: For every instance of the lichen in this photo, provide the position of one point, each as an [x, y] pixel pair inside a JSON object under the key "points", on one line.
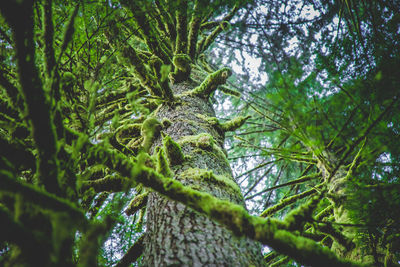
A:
{"points": [[173, 151]]}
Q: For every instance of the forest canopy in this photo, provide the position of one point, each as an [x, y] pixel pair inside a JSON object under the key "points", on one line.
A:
{"points": [[197, 133]]}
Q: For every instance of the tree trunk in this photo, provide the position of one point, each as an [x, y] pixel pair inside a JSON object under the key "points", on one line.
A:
{"points": [[339, 195], [177, 235]]}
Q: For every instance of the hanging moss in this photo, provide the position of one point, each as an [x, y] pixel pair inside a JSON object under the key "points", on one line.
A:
{"points": [[173, 151]]}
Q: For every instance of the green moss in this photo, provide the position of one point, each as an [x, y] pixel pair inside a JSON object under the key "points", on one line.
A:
{"points": [[182, 68], [296, 219], [173, 151], [150, 130], [206, 144], [234, 124], [204, 141], [229, 91], [210, 120], [211, 83], [125, 133], [225, 25], [137, 203], [166, 123], [209, 176], [162, 165]]}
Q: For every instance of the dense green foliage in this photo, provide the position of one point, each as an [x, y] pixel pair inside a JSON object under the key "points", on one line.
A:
{"points": [[317, 155]]}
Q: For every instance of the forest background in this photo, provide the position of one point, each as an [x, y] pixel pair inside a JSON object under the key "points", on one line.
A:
{"points": [[110, 142]]}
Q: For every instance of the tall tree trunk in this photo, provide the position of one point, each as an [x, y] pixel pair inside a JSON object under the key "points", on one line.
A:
{"points": [[339, 194], [177, 235]]}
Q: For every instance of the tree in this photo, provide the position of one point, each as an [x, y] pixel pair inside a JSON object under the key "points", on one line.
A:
{"points": [[324, 113], [114, 96]]}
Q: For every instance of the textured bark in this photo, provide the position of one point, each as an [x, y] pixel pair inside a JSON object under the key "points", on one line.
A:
{"points": [[177, 235]]}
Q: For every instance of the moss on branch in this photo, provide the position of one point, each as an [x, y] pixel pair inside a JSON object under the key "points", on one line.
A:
{"points": [[297, 218], [110, 183], [38, 196], [210, 177], [137, 203], [133, 253], [234, 217], [162, 165], [287, 201], [211, 83], [234, 124], [173, 151], [181, 27], [127, 132], [182, 68], [150, 130]]}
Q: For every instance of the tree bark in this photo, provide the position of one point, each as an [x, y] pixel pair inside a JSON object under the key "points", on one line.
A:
{"points": [[177, 235]]}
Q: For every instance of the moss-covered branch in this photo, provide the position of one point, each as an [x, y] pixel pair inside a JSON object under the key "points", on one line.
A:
{"points": [[287, 201], [181, 27], [194, 27], [182, 68], [211, 83], [137, 203], [335, 234], [48, 29], [296, 219], [110, 183], [207, 41], [133, 253], [235, 217], [162, 164], [150, 130], [147, 80], [234, 124], [167, 21], [36, 105], [153, 42], [173, 151], [37, 196]]}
